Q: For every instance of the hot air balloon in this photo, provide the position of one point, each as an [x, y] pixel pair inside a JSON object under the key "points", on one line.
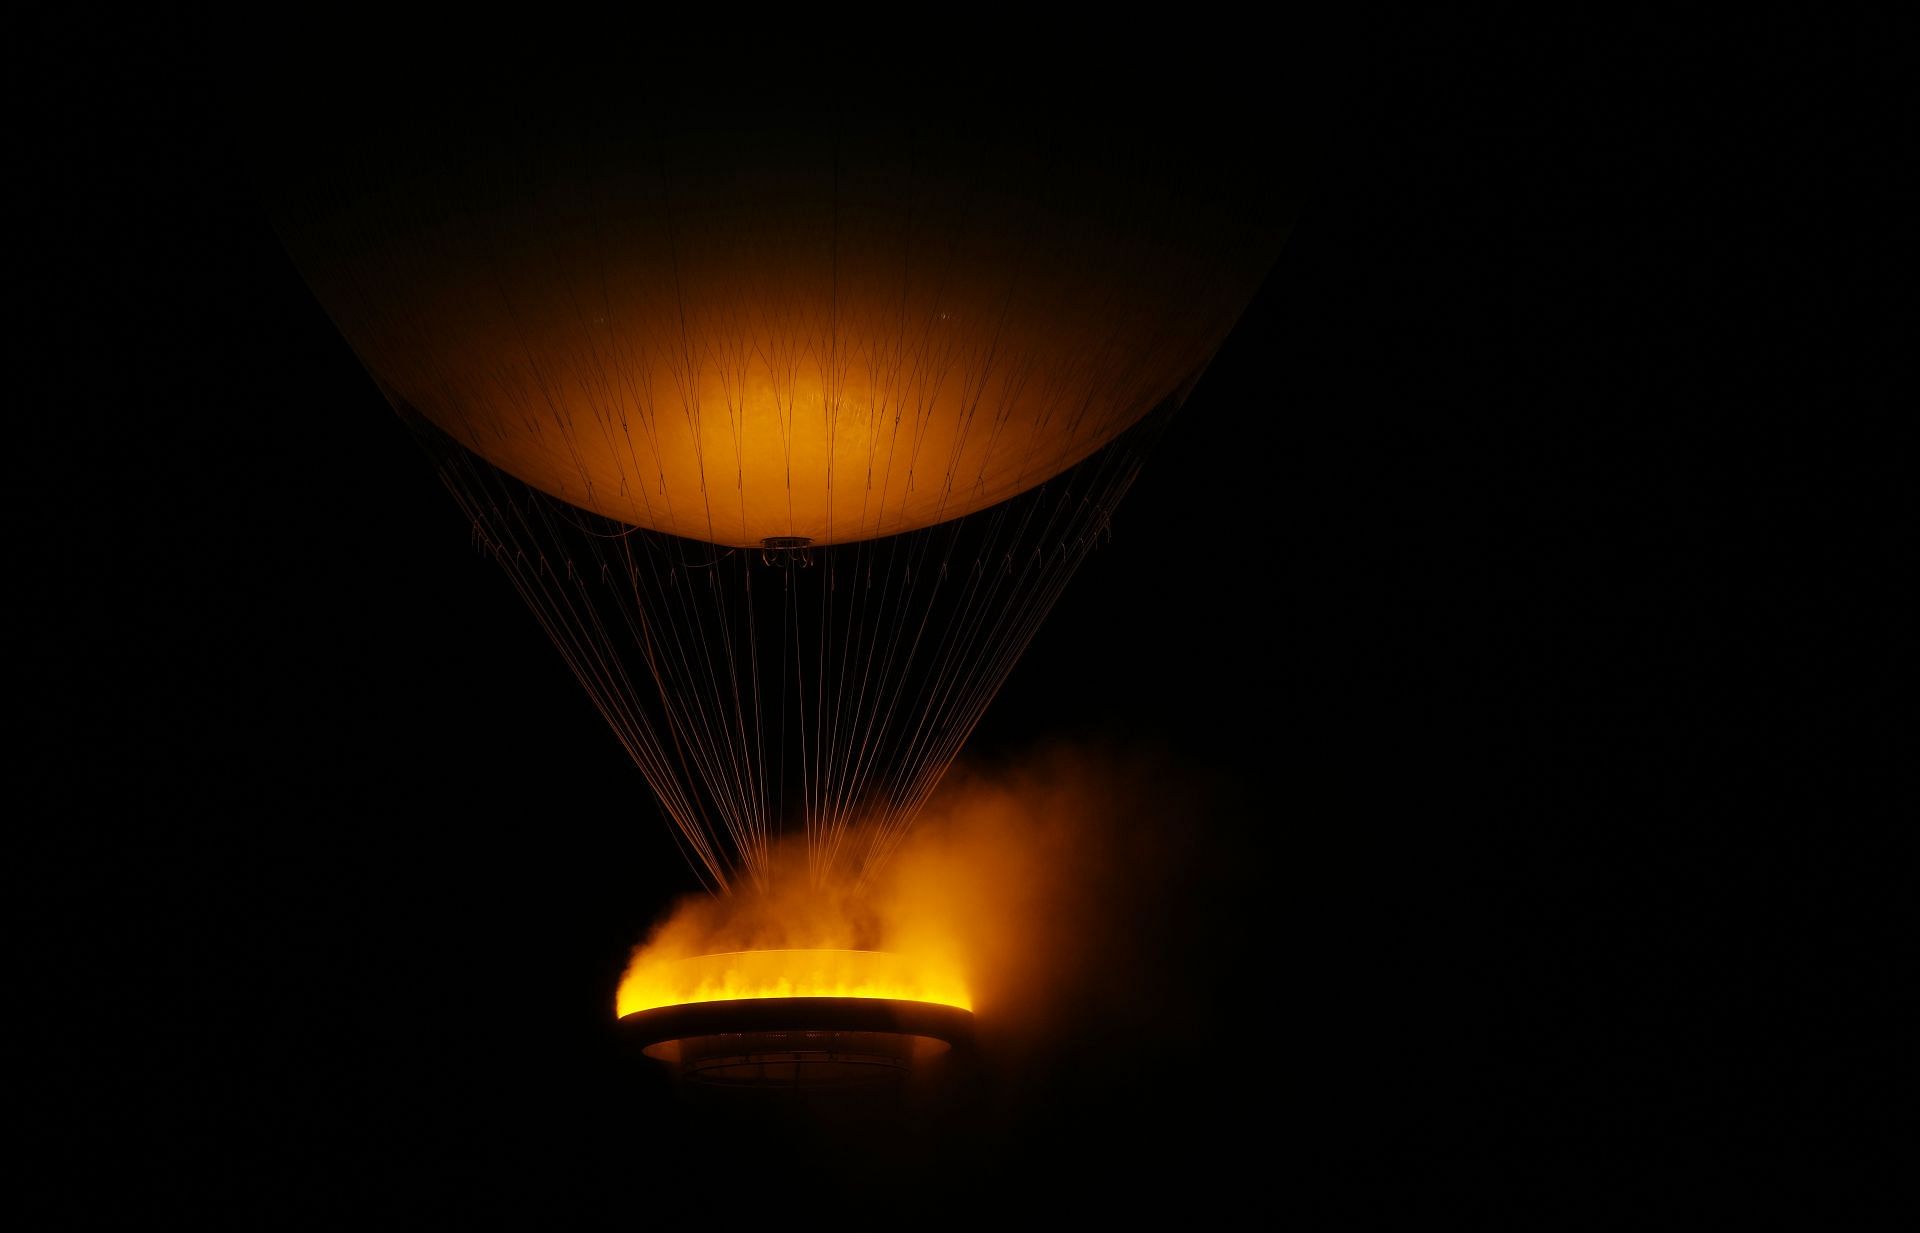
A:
{"points": [[788, 426]]}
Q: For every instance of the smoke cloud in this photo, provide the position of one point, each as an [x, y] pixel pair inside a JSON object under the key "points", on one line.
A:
{"points": [[1040, 885]]}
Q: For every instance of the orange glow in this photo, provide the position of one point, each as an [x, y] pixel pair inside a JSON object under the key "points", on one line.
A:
{"points": [[1001, 902], [824, 973], [829, 345], [799, 938]]}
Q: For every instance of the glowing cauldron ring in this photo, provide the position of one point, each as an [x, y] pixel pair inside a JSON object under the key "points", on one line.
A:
{"points": [[658, 1031]]}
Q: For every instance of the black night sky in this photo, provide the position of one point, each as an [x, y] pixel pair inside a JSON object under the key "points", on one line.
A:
{"points": [[1513, 896]]}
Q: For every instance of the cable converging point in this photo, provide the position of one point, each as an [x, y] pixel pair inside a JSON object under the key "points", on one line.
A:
{"points": [[787, 550]]}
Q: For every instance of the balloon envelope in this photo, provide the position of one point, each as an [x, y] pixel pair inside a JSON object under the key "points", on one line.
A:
{"points": [[741, 332]]}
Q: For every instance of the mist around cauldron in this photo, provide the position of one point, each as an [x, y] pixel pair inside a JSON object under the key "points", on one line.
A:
{"points": [[1066, 888]]}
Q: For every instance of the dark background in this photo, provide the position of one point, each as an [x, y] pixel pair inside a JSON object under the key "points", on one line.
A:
{"points": [[1519, 890]]}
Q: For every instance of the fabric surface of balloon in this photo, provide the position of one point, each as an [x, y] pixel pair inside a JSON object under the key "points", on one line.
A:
{"points": [[819, 334]]}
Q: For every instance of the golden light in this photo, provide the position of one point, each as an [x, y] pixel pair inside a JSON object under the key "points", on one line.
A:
{"points": [[784, 333], [815, 1017], [789, 973], [800, 984]]}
